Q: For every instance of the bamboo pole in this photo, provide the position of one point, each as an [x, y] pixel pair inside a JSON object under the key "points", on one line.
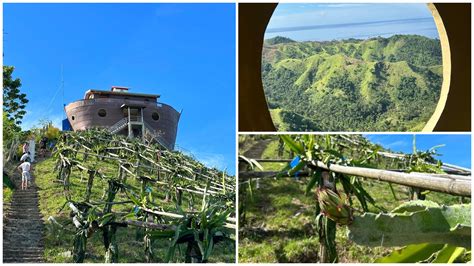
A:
{"points": [[159, 167], [431, 182], [450, 184], [264, 174], [149, 225], [447, 167], [179, 216], [270, 160], [452, 169]]}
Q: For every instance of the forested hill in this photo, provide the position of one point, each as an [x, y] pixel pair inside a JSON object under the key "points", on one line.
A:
{"points": [[378, 84]]}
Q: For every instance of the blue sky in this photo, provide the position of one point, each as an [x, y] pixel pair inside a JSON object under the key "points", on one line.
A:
{"points": [[184, 52], [319, 22], [457, 149]]}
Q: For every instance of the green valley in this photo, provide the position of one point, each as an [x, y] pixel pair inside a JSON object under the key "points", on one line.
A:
{"points": [[377, 84]]}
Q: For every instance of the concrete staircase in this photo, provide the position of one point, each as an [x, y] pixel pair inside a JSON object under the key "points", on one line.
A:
{"points": [[23, 227]]}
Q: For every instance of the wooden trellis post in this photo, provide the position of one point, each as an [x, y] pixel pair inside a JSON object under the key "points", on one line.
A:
{"points": [[179, 196], [65, 173], [148, 247], [112, 253], [90, 182], [109, 231], [79, 252], [193, 253], [80, 238], [167, 191], [146, 240]]}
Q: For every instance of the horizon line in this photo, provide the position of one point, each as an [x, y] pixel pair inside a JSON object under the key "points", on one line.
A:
{"points": [[341, 25], [361, 37]]}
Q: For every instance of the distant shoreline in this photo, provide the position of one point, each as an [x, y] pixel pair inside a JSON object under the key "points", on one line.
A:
{"points": [[371, 37]]}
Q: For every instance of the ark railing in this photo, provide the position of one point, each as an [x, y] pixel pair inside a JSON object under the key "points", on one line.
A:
{"points": [[157, 135], [136, 118]]}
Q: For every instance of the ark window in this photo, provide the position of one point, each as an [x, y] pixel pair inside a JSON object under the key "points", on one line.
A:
{"points": [[155, 116], [102, 113], [73, 117]]}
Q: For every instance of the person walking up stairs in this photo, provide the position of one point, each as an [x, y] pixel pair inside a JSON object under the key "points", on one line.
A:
{"points": [[23, 225]]}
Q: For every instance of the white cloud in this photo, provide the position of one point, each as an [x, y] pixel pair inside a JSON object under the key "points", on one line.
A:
{"points": [[33, 118], [343, 5], [395, 144], [213, 160], [209, 159], [57, 121], [292, 15]]}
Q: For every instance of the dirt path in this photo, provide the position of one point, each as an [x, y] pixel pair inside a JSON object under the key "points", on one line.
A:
{"points": [[256, 151], [23, 226]]}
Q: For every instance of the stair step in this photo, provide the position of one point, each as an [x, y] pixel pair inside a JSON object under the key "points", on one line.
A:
{"points": [[34, 259], [25, 198], [26, 252], [25, 213], [35, 234], [36, 216], [26, 228], [36, 239], [23, 239], [23, 221]]}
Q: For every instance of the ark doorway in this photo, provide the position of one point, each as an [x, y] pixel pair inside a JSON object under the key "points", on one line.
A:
{"points": [[136, 125]]}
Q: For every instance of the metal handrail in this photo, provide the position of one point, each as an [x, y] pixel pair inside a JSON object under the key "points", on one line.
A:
{"points": [[156, 135], [122, 122]]}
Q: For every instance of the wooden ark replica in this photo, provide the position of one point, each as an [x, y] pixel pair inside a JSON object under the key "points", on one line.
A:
{"points": [[122, 112]]}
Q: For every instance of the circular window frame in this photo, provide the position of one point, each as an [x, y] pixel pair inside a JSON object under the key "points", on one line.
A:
{"points": [[446, 61], [102, 112], [446, 68], [157, 115]]}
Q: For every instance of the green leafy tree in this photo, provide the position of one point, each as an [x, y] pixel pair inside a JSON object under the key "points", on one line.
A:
{"points": [[14, 102], [9, 128]]}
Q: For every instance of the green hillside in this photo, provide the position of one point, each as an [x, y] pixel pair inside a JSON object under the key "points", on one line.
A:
{"points": [[378, 84]]}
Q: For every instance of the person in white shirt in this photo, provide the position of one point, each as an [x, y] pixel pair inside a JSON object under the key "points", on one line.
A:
{"points": [[25, 169], [25, 156]]}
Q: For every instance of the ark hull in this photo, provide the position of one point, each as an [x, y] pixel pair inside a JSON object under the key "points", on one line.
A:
{"points": [[162, 118]]}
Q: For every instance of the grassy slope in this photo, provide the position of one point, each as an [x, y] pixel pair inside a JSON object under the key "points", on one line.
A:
{"points": [[280, 220], [7, 192], [277, 121], [59, 242], [7, 195]]}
